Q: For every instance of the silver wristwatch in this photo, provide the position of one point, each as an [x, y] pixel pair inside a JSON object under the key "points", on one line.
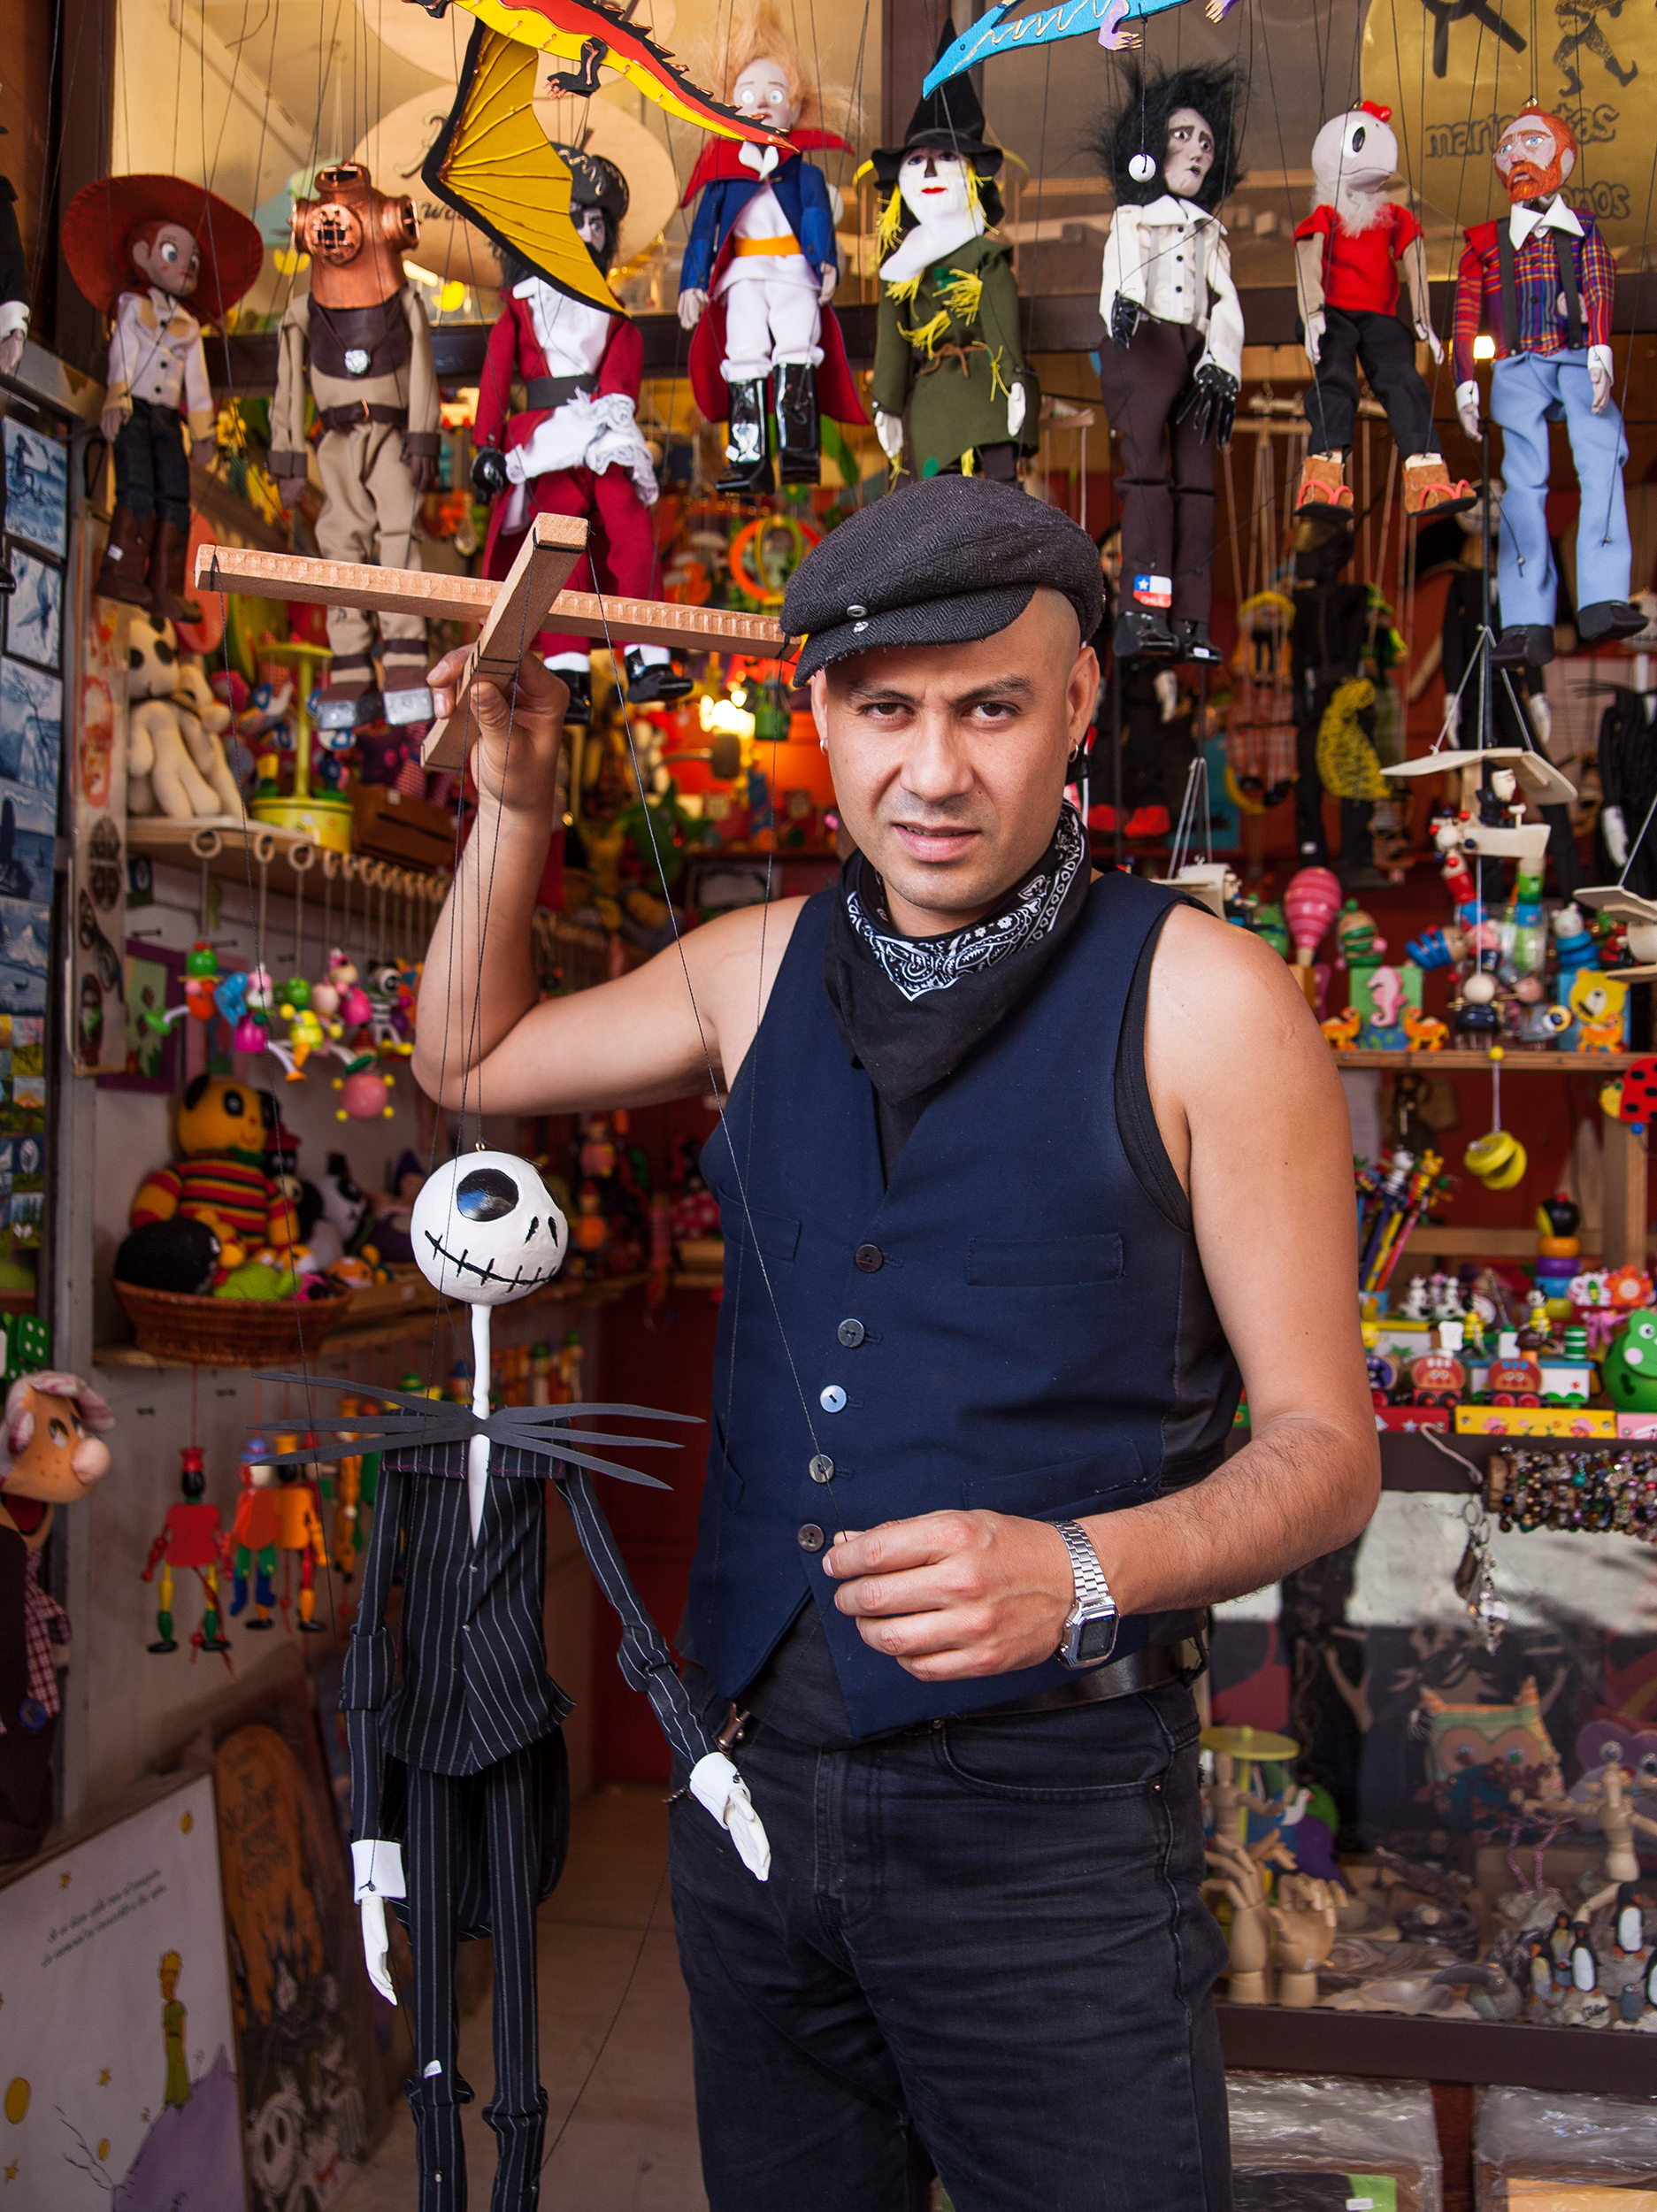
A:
{"points": [[1090, 1626]]}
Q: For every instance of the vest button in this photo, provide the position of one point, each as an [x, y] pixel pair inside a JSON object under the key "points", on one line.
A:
{"points": [[851, 1334], [832, 1400], [821, 1469], [871, 1258], [811, 1538]]}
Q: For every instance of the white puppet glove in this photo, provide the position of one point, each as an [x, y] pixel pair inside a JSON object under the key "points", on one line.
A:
{"points": [[1017, 405], [826, 282], [1317, 323], [716, 1783], [1541, 716], [1467, 407], [889, 430], [691, 304], [377, 1868]]}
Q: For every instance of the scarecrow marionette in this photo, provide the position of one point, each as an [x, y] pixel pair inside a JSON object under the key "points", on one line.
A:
{"points": [[139, 247], [762, 264], [359, 342], [947, 341], [1348, 253], [575, 447], [1540, 281], [1173, 368]]}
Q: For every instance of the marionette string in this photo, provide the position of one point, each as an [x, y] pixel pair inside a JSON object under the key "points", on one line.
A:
{"points": [[621, 2003]]}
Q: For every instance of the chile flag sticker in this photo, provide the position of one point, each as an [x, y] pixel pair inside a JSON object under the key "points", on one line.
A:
{"points": [[1153, 591]]}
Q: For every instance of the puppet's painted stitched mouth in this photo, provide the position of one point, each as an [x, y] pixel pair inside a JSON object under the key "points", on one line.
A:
{"points": [[466, 1265]]}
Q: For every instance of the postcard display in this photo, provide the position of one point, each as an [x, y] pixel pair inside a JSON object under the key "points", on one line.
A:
{"points": [[31, 751]]}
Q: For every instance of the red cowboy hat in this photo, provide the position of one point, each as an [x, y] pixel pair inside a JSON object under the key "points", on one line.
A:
{"points": [[103, 216]]}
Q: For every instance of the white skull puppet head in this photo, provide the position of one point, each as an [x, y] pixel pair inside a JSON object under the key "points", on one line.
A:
{"points": [[485, 1230], [1354, 158]]}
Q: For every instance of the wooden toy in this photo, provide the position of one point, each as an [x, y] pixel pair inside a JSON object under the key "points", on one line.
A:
{"points": [[190, 1539]]}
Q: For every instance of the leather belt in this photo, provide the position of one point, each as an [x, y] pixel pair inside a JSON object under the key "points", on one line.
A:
{"points": [[552, 391], [359, 412], [1145, 1669]]}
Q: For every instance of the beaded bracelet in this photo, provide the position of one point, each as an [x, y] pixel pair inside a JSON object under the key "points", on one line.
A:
{"points": [[1575, 1490]]}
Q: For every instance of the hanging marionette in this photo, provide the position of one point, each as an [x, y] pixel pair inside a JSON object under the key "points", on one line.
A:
{"points": [[1540, 279], [359, 343], [1173, 368], [762, 264], [139, 247], [575, 449], [459, 1779], [1347, 258], [947, 339]]}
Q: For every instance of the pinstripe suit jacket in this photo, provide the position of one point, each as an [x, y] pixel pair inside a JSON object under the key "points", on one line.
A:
{"points": [[472, 1685]]}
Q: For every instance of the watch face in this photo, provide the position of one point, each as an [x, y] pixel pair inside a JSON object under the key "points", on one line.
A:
{"points": [[1095, 1639]]}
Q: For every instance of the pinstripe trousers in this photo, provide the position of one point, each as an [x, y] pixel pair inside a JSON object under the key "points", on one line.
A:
{"points": [[441, 1808]]}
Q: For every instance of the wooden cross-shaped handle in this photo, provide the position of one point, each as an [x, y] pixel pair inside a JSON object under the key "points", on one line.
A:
{"points": [[530, 599]]}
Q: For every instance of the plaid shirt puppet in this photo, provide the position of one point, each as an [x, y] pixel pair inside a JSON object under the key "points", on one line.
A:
{"points": [[1552, 253]]}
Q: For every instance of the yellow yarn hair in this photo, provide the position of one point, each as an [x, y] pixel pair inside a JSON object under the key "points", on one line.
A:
{"points": [[963, 295], [891, 222], [904, 291], [1347, 762]]}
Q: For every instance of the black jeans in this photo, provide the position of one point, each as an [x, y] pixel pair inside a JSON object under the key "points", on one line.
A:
{"points": [[1387, 350], [1165, 472], [152, 470], [981, 1941]]}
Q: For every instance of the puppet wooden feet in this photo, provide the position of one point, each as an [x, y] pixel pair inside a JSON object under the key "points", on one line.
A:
{"points": [[1323, 485], [123, 573], [1430, 488]]}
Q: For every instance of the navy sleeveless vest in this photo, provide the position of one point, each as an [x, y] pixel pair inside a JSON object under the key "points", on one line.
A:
{"points": [[1001, 1326]]}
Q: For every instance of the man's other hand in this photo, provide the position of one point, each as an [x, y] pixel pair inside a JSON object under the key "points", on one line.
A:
{"points": [[953, 1595], [516, 759]]}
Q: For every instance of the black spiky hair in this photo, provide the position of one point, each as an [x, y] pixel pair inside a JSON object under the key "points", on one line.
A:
{"points": [[1139, 124]]}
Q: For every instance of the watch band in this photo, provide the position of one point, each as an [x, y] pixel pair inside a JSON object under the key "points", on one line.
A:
{"points": [[1092, 1592]]}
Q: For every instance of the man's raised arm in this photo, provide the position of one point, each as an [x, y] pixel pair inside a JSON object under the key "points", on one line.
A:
{"points": [[480, 1031]]}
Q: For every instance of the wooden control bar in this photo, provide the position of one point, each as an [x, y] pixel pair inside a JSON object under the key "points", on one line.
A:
{"points": [[530, 598]]}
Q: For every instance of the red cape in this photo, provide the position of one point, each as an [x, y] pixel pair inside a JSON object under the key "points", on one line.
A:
{"points": [[720, 160], [836, 390]]}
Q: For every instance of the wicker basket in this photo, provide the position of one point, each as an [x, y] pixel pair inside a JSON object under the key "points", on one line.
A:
{"points": [[230, 1332]]}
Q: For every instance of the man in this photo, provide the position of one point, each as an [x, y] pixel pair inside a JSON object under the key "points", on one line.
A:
{"points": [[1010, 1157]]}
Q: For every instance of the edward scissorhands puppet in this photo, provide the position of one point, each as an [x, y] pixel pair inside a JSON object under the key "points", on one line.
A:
{"points": [[1173, 368], [946, 340]]}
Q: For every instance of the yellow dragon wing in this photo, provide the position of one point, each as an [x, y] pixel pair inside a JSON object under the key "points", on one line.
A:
{"points": [[492, 163]]}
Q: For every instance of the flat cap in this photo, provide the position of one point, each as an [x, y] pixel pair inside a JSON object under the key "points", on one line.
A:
{"points": [[946, 561]]}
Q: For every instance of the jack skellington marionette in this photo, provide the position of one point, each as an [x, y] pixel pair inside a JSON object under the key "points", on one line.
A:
{"points": [[1346, 254], [457, 1757], [575, 447], [1173, 368]]}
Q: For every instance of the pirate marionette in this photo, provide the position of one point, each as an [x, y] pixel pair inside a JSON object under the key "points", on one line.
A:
{"points": [[139, 247], [1173, 368], [762, 264], [947, 342], [1540, 281], [575, 448], [360, 344], [1348, 253]]}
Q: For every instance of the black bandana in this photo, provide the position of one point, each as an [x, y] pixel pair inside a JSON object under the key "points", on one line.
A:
{"points": [[910, 1008]]}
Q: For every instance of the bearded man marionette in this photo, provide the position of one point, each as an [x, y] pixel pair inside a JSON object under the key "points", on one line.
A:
{"points": [[1540, 281], [762, 264]]}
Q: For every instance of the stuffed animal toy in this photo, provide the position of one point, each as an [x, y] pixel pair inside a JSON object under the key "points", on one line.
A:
{"points": [[53, 1459], [948, 345], [574, 448], [1539, 280], [180, 1256], [225, 1132], [175, 753], [1347, 255], [139, 248], [1172, 370]]}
